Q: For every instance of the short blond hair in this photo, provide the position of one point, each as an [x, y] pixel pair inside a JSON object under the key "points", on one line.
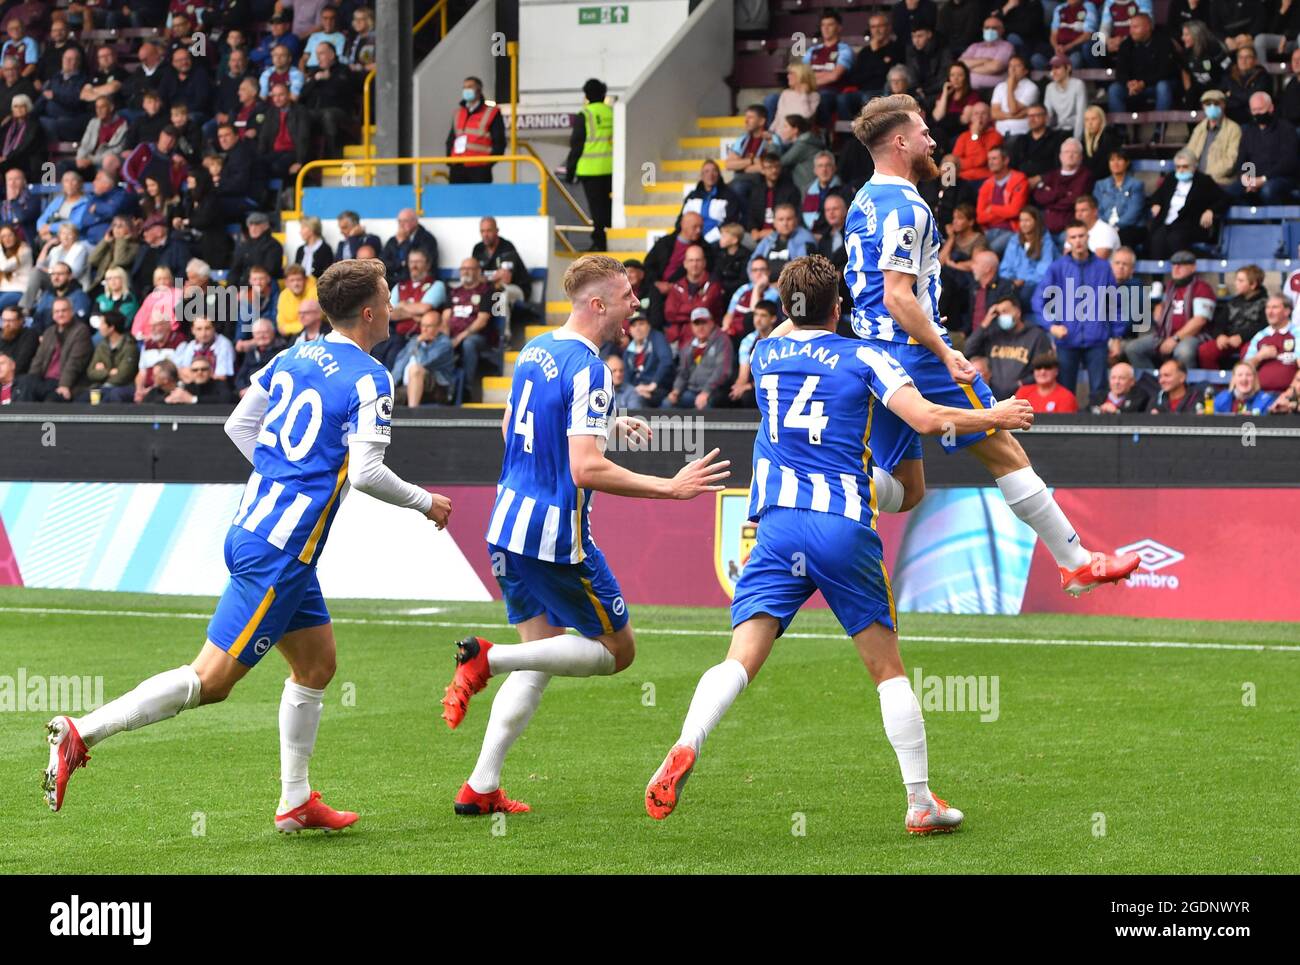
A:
{"points": [[589, 270], [880, 116]]}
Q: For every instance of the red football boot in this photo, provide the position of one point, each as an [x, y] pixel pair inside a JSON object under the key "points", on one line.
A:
{"points": [[472, 675], [665, 788], [67, 753], [470, 803], [313, 814], [1102, 568]]}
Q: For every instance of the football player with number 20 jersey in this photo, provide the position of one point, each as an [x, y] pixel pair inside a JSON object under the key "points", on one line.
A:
{"points": [[892, 272], [315, 419], [814, 499], [551, 573]]}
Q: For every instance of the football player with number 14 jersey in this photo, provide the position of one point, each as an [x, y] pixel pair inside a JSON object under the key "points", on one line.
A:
{"points": [[816, 505], [315, 419]]}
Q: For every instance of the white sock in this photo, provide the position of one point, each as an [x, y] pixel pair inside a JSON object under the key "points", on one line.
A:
{"points": [[905, 728], [714, 694], [1029, 499], [300, 710], [564, 656], [889, 491], [161, 696], [512, 709]]}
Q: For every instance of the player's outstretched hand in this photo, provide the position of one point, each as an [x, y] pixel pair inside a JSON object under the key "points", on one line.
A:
{"points": [[1014, 414], [634, 434], [959, 367], [701, 476], [440, 511]]}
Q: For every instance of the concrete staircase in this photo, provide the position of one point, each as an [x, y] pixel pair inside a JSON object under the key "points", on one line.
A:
{"points": [[651, 209]]}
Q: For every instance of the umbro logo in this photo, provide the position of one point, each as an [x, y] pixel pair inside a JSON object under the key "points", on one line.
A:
{"points": [[1154, 556]]}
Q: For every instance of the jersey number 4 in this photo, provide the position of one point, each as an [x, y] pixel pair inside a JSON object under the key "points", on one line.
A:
{"points": [[523, 418], [290, 406], [802, 414]]}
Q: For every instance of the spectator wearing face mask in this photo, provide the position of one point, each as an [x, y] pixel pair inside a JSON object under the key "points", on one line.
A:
{"points": [[1268, 156], [1216, 141], [1185, 207], [1009, 345]]}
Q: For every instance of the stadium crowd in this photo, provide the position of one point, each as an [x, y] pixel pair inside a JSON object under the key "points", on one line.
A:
{"points": [[144, 169]]}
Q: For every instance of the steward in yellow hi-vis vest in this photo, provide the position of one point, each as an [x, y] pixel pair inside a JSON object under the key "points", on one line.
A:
{"points": [[591, 158], [476, 128]]}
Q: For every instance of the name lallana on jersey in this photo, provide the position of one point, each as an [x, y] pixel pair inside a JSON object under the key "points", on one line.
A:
{"points": [[790, 349]]}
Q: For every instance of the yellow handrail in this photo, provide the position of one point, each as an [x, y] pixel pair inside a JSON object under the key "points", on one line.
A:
{"points": [[512, 50], [439, 8], [559, 185], [365, 120], [418, 163]]}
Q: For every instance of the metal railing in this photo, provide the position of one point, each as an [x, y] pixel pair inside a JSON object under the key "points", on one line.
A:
{"points": [[419, 163], [439, 9], [563, 189], [366, 119]]}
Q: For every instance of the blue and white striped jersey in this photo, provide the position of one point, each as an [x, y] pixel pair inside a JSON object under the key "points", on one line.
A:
{"points": [[890, 228], [322, 394], [561, 387], [817, 393]]}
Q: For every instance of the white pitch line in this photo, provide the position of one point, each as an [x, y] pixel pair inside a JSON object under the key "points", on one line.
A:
{"points": [[906, 638]]}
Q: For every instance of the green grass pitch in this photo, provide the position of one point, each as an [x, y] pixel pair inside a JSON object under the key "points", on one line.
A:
{"points": [[1183, 757]]}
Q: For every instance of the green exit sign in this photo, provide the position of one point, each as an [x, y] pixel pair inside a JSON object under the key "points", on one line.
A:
{"points": [[597, 15]]}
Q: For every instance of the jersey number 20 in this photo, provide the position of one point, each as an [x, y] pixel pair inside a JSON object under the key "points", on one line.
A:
{"points": [[801, 415], [294, 404]]}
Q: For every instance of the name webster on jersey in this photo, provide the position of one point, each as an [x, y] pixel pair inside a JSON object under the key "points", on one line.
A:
{"points": [[542, 358]]}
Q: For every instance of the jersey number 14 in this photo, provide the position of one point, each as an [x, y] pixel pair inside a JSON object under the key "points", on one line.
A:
{"points": [[802, 414]]}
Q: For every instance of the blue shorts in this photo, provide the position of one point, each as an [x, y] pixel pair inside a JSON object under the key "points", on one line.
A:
{"points": [[892, 439], [800, 551], [581, 596], [270, 594]]}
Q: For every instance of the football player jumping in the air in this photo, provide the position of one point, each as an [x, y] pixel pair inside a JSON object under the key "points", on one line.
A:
{"points": [[892, 272], [816, 505], [552, 575], [329, 422]]}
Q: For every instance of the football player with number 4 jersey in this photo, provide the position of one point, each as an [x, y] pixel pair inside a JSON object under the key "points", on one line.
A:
{"points": [[551, 573], [815, 503], [316, 419], [892, 244]]}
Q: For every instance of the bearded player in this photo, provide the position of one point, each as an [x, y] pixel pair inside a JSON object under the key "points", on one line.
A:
{"points": [[328, 424], [893, 242], [551, 573]]}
